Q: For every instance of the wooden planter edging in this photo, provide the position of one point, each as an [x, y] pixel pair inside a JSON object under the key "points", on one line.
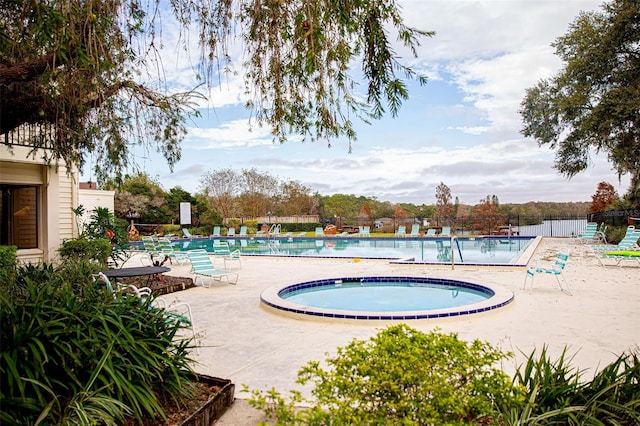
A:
{"points": [[213, 409], [188, 283]]}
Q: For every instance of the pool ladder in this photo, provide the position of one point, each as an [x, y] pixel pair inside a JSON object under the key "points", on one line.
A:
{"points": [[455, 239], [274, 230]]}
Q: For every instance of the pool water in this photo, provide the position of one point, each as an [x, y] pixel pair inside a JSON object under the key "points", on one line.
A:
{"points": [[385, 297], [479, 250]]}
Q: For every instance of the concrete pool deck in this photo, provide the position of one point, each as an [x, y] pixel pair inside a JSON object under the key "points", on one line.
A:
{"points": [[253, 346]]}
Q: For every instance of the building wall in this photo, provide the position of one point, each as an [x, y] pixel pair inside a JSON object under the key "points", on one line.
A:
{"points": [[56, 198], [92, 198]]}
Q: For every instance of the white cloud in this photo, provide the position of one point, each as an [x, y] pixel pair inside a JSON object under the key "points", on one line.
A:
{"points": [[461, 129]]}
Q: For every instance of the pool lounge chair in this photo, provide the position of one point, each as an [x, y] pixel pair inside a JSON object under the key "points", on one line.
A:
{"points": [[589, 234], [319, 232], [431, 232], [402, 231], [188, 234], [622, 256], [166, 249], [415, 230], [243, 231], [216, 231], [231, 232], [629, 241], [446, 231], [203, 268], [365, 231], [613, 251], [222, 250], [556, 268], [179, 312], [151, 249]]}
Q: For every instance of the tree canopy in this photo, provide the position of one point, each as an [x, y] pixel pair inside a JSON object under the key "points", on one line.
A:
{"points": [[91, 74], [592, 103]]}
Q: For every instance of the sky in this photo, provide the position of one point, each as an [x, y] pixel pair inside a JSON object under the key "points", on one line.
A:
{"points": [[462, 128]]}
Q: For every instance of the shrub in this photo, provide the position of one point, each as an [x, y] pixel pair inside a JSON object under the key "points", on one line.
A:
{"points": [[399, 376], [8, 262], [170, 229], [71, 353], [98, 249]]}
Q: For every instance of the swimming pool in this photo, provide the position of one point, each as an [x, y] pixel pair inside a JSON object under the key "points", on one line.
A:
{"points": [[478, 250], [385, 298]]}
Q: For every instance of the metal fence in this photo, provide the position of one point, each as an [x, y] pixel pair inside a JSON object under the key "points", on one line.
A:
{"points": [[545, 226], [617, 217]]}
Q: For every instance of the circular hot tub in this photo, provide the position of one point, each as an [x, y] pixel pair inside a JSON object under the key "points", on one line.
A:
{"points": [[385, 298]]}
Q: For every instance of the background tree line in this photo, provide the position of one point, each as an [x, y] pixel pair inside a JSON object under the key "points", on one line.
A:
{"points": [[250, 193]]}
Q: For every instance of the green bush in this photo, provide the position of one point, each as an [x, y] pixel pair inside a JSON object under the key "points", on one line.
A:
{"points": [[405, 377], [98, 249], [399, 376], [71, 353], [170, 229]]}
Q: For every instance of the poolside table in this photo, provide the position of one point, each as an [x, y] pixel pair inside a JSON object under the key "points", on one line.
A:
{"points": [[150, 271]]}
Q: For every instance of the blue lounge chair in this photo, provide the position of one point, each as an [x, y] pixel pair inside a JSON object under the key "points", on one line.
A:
{"points": [[166, 249], [431, 232], [446, 231], [589, 234], [231, 232], [629, 240], [616, 251], [216, 231], [365, 231], [319, 232], [243, 231], [203, 268], [188, 234], [402, 231], [554, 269], [222, 250], [415, 230]]}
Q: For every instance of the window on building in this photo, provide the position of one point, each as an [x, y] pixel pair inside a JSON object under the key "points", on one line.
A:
{"points": [[19, 210]]}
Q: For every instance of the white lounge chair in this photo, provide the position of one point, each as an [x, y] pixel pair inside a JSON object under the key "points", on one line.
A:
{"points": [[179, 312], [203, 268]]}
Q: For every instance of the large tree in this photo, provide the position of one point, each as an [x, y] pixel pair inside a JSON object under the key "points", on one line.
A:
{"points": [[592, 103], [90, 72], [605, 196]]}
